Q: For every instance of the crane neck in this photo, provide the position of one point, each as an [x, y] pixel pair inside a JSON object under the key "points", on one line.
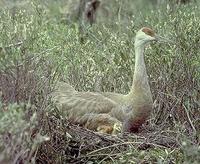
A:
{"points": [[140, 86], [140, 97], [140, 73]]}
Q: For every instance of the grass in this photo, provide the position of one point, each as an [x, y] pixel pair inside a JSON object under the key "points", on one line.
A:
{"points": [[40, 46]]}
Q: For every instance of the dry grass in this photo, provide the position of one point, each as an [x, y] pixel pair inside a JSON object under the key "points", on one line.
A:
{"points": [[73, 144]]}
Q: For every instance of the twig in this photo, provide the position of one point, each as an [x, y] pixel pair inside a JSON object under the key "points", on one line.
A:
{"points": [[125, 143], [188, 116], [12, 45]]}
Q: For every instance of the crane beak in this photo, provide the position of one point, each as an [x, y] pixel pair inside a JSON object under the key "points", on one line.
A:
{"points": [[162, 39]]}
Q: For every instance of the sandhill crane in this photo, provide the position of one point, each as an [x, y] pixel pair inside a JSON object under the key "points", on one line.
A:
{"points": [[106, 112]]}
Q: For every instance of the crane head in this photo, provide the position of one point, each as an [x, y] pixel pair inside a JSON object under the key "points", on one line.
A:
{"points": [[146, 35]]}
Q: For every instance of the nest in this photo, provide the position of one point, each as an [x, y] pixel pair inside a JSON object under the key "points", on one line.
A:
{"points": [[70, 143]]}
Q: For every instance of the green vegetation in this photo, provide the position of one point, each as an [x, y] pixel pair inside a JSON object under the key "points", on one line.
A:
{"points": [[39, 46]]}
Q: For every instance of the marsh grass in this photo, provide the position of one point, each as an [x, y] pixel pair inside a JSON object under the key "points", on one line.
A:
{"points": [[38, 47]]}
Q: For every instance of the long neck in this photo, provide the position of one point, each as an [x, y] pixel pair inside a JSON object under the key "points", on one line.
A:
{"points": [[140, 87], [140, 94]]}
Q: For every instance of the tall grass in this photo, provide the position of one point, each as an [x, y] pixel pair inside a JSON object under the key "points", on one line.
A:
{"points": [[38, 49]]}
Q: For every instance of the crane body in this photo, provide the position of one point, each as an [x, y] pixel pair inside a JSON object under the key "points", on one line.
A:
{"points": [[108, 112]]}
